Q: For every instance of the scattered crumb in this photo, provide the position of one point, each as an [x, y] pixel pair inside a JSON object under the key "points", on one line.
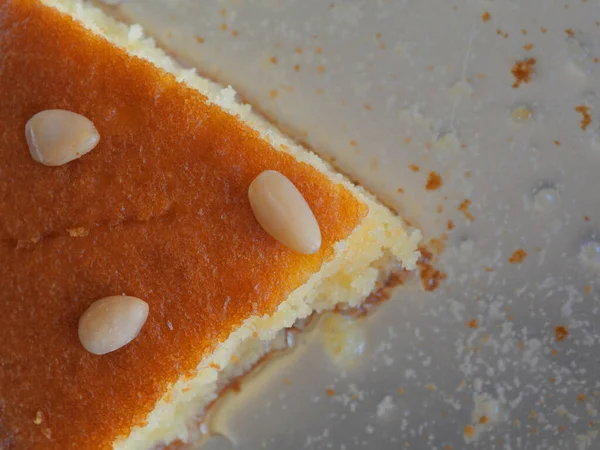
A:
{"points": [[570, 32], [224, 27], [430, 387], [440, 208], [557, 143], [521, 114], [235, 33], [321, 68], [561, 332], [318, 49], [296, 67], [200, 40], [586, 118], [464, 208], [273, 93], [299, 50], [481, 76], [400, 190], [469, 431], [581, 397], [544, 30], [532, 415], [414, 167], [430, 276], [528, 47], [400, 390], [486, 16], [430, 68], [434, 182], [524, 32], [518, 256], [450, 225], [588, 289], [286, 381], [330, 392], [523, 71], [407, 140], [473, 323], [215, 366], [438, 245], [554, 352], [483, 420], [223, 12], [488, 269], [368, 107], [273, 60], [353, 143]]}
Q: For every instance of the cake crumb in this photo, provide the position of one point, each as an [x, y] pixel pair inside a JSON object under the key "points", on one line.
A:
{"points": [[523, 71], [557, 143], [518, 256], [368, 107], [524, 32], [321, 68], [473, 323], [469, 431], [570, 32], [486, 16], [414, 167], [330, 392], [296, 67], [544, 30], [450, 225], [464, 208], [273, 93], [273, 60], [581, 397], [528, 47], [199, 39], [318, 49], [434, 182], [561, 332], [554, 352], [400, 390], [483, 420], [235, 33], [224, 27], [586, 118], [488, 269], [588, 289], [353, 143], [430, 276]]}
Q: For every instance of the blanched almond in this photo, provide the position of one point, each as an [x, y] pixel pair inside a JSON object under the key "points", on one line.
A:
{"points": [[56, 137], [112, 322], [283, 212]]}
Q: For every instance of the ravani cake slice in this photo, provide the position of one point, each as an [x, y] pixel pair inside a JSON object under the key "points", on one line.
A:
{"points": [[159, 210]]}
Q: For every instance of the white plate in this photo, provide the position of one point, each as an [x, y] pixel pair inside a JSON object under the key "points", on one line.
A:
{"points": [[383, 85]]}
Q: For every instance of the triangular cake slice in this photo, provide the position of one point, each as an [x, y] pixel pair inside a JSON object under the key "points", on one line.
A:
{"points": [[158, 210]]}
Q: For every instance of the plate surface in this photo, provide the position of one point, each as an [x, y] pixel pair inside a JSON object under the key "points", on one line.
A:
{"points": [[506, 353]]}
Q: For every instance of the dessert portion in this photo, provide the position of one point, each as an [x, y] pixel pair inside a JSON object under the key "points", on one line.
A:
{"points": [[162, 201]]}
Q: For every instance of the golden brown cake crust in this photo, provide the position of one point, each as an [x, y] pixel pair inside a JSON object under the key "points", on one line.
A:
{"points": [[158, 210]]}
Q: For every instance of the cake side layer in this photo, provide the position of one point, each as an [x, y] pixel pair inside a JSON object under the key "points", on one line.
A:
{"points": [[360, 262]]}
